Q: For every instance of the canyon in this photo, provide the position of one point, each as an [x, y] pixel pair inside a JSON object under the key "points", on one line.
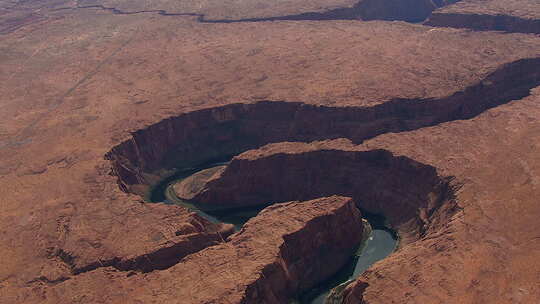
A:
{"points": [[240, 270], [406, 192], [215, 133], [426, 115], [490, 15]]}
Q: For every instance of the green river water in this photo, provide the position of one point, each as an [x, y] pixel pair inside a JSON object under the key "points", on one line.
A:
{"points": [[381, 243]]}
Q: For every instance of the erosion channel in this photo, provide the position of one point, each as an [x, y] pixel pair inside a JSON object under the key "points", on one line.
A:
{"points": [[379, 242], [297, 152]]}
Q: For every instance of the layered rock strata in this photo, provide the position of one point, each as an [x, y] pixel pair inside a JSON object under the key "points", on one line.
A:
{"points": [[519, 16], [193, 138], [474, 257], [407, 192], [183, 233], [284, 250], [77, 85]]}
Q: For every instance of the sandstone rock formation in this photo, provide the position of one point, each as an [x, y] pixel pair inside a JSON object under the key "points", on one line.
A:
{"points": [[490, 15], [455, 238], [184, 233], [408, 193], [192, 185], [187, 140], [477, 256], [284, 250], [154, 92]]}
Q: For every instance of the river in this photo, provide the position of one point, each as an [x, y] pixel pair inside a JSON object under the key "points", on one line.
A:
{"points": [[381, 242]]}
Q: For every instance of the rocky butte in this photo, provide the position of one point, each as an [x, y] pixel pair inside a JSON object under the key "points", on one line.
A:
{"points": [[424, 112]]}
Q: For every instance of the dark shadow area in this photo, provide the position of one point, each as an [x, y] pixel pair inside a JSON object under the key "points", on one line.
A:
{"points": [[381, 243], [195, 138], [404, 10], [406, 192], [479, 22], [381, 240]]}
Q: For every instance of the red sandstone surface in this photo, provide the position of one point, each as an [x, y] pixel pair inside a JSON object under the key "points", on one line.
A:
{"points": [[411, 195], [76, 82], [493, 15], [490, 238], [191, 186], [488, 251], [285, 249]]}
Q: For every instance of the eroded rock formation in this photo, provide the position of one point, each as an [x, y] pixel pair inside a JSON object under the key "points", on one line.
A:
{"points": [[495, 157], [196, 137], [284, 250], [490, 15], [408, 193], [260, 11], [194, 184], [184, 233], [79, 82]]}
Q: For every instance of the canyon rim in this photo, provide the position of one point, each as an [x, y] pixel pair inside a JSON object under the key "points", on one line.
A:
{"points": [[423, 114]]}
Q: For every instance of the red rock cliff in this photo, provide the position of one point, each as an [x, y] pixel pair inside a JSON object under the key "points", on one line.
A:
{"points": [[197, 137], [284, 250], [405, 191]]}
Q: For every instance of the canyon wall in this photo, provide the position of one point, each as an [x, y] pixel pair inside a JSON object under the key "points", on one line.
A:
{"points": [[405, 191], [485, 22], [214, 11], [284, 250], [307, 256], [198, 137], [184, 233]]}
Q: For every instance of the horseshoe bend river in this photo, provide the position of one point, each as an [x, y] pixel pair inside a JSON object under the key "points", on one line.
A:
{"points": [[380, 243]]}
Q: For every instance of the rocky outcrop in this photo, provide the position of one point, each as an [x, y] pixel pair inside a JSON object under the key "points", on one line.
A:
{"points": [[349, 292], [479, 22], [474, 257], [189, 187], [405, 191], [284, 250], [197, 137], [185, 233], [518, 16]]}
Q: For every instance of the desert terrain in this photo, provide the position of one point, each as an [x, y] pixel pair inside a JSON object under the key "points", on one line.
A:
{"points": [[426, 113]]}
